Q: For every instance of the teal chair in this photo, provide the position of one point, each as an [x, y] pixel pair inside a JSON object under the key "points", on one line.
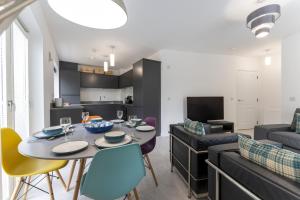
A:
{"points": [[114, 173]]}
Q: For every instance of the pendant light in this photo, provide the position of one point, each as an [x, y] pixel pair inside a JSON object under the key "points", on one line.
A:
{"points": [[99, 14], [263, 19], [105, 64], [112, 57]]}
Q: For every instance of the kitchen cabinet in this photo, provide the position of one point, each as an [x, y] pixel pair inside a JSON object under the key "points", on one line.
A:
{"points": [[73, 111], [90, 80], [125, 80], [107, 111], [69, 78], [147, 89]]}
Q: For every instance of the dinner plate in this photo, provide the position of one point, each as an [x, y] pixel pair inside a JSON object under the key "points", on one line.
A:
{"points": [[102, 143], [117, 121], [130, 125], [145, 128], [42, 135], [70, 147]]}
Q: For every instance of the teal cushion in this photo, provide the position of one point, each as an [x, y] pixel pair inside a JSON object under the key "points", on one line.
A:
{"points": [[194, 127], [280, 161], [298, 123]]}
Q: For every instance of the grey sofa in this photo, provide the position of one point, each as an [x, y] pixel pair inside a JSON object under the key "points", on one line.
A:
{"points": [[188, 153], [282, 133], [237, 173]]}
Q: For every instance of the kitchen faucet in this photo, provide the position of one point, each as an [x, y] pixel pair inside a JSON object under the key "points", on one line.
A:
{"points": [[100, 97]]}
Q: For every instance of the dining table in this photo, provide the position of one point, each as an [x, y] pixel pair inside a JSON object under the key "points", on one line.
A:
{"points": [[42, 148]]}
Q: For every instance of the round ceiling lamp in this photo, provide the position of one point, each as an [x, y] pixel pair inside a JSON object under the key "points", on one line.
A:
{"points": [[263, 19], [99, 14]]}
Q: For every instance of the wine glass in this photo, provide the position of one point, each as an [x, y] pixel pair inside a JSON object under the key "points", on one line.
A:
{"points": [[65, 123], [120, 114], [85, 116], [131, 121]]}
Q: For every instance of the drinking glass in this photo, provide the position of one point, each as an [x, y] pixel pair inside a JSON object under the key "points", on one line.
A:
{"points": [[119, 114], [85, 116], [65, 123], [130, 118]]}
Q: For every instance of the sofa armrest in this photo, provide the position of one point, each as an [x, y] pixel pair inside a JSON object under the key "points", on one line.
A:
{"points": [[198, 142], [262, 131]]}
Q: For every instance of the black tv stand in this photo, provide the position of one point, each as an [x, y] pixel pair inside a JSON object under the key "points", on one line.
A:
{"points": [[225, 126]]}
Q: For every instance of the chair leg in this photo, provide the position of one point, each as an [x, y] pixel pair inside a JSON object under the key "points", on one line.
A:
{"points": [[136, 195], [151, 169], [61, 179], [129, 196], [16, 189], [71, 174], [26, 187], [50, 187]]}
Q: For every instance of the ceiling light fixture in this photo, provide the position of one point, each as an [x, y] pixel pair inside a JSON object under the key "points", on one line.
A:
{"points": [[263, 19], [112, 57], [100, 14], [105, 64]]}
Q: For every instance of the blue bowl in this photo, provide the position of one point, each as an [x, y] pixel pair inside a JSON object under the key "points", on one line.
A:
{"points": [[99, 127], [54, 130], [114, 136]]}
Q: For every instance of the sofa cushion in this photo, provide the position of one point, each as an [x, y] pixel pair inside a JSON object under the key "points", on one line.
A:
{"points": [[290, 139], [194, 127], [262, 131], [265, 184], [280, 161], [202, 142], [298, 123], [294, 122]]}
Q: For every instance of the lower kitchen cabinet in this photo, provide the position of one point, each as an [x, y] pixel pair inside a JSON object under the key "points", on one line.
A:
{"points": [[73, 112], [107, 111]]}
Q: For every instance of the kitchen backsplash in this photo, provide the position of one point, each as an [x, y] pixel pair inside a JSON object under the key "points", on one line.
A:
{"points": [[94, 94]]}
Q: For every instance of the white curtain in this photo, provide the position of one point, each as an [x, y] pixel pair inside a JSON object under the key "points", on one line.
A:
{"points": [[11, 9]]}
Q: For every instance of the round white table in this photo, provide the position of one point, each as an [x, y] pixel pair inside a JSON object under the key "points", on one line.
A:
{"points": [[41, 148]]}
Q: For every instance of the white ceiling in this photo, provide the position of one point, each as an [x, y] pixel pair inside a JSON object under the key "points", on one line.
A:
{"points": [[210, 26]]}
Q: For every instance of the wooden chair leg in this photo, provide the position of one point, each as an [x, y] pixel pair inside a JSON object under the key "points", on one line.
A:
{"points": [[129, 196], [26, 187], [61, 179], [71, 174], [16, 189], [50, 187], [151, 169], [136, 195]]}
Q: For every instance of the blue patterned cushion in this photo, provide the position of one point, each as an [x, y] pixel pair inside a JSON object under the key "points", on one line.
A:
{"points": [[194, 127], [280, 161], [298, 123]]}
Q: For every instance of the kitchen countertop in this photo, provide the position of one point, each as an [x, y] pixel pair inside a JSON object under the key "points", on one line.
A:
{"points": [[92, 103]]}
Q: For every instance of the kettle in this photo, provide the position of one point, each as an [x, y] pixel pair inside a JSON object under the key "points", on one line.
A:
{"points": [[128, 100]]}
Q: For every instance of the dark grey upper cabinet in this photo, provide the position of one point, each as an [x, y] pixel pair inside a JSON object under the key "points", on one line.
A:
{"points": [[69, 78], [126, 79], [147, 88], [89, 80]]}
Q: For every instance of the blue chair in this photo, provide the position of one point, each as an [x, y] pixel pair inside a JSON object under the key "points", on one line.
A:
{"points": [[114, 173]]}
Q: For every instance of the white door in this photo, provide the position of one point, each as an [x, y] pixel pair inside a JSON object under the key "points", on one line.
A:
{"points": [[247, 99], [14, 110]]}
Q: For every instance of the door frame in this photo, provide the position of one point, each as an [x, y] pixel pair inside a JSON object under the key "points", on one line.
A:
{"points": [[237, 96], [10, 93]]}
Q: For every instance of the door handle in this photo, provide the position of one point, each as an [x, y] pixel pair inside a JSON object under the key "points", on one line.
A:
{"points": [[240, 100], [11, 105]]}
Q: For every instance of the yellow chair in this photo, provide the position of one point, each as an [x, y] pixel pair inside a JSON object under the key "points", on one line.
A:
{"points": [[21, 167]]}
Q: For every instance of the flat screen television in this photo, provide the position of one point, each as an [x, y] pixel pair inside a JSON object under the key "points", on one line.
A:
{"points": [[205, 108]]}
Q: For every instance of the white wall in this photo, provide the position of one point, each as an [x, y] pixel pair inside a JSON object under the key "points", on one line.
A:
{"points": [[271, 90], [41, 80], [290, 76], [194, 74]]}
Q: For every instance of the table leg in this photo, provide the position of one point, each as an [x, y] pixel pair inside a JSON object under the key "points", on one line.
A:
{"points": [[79, 176]]}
